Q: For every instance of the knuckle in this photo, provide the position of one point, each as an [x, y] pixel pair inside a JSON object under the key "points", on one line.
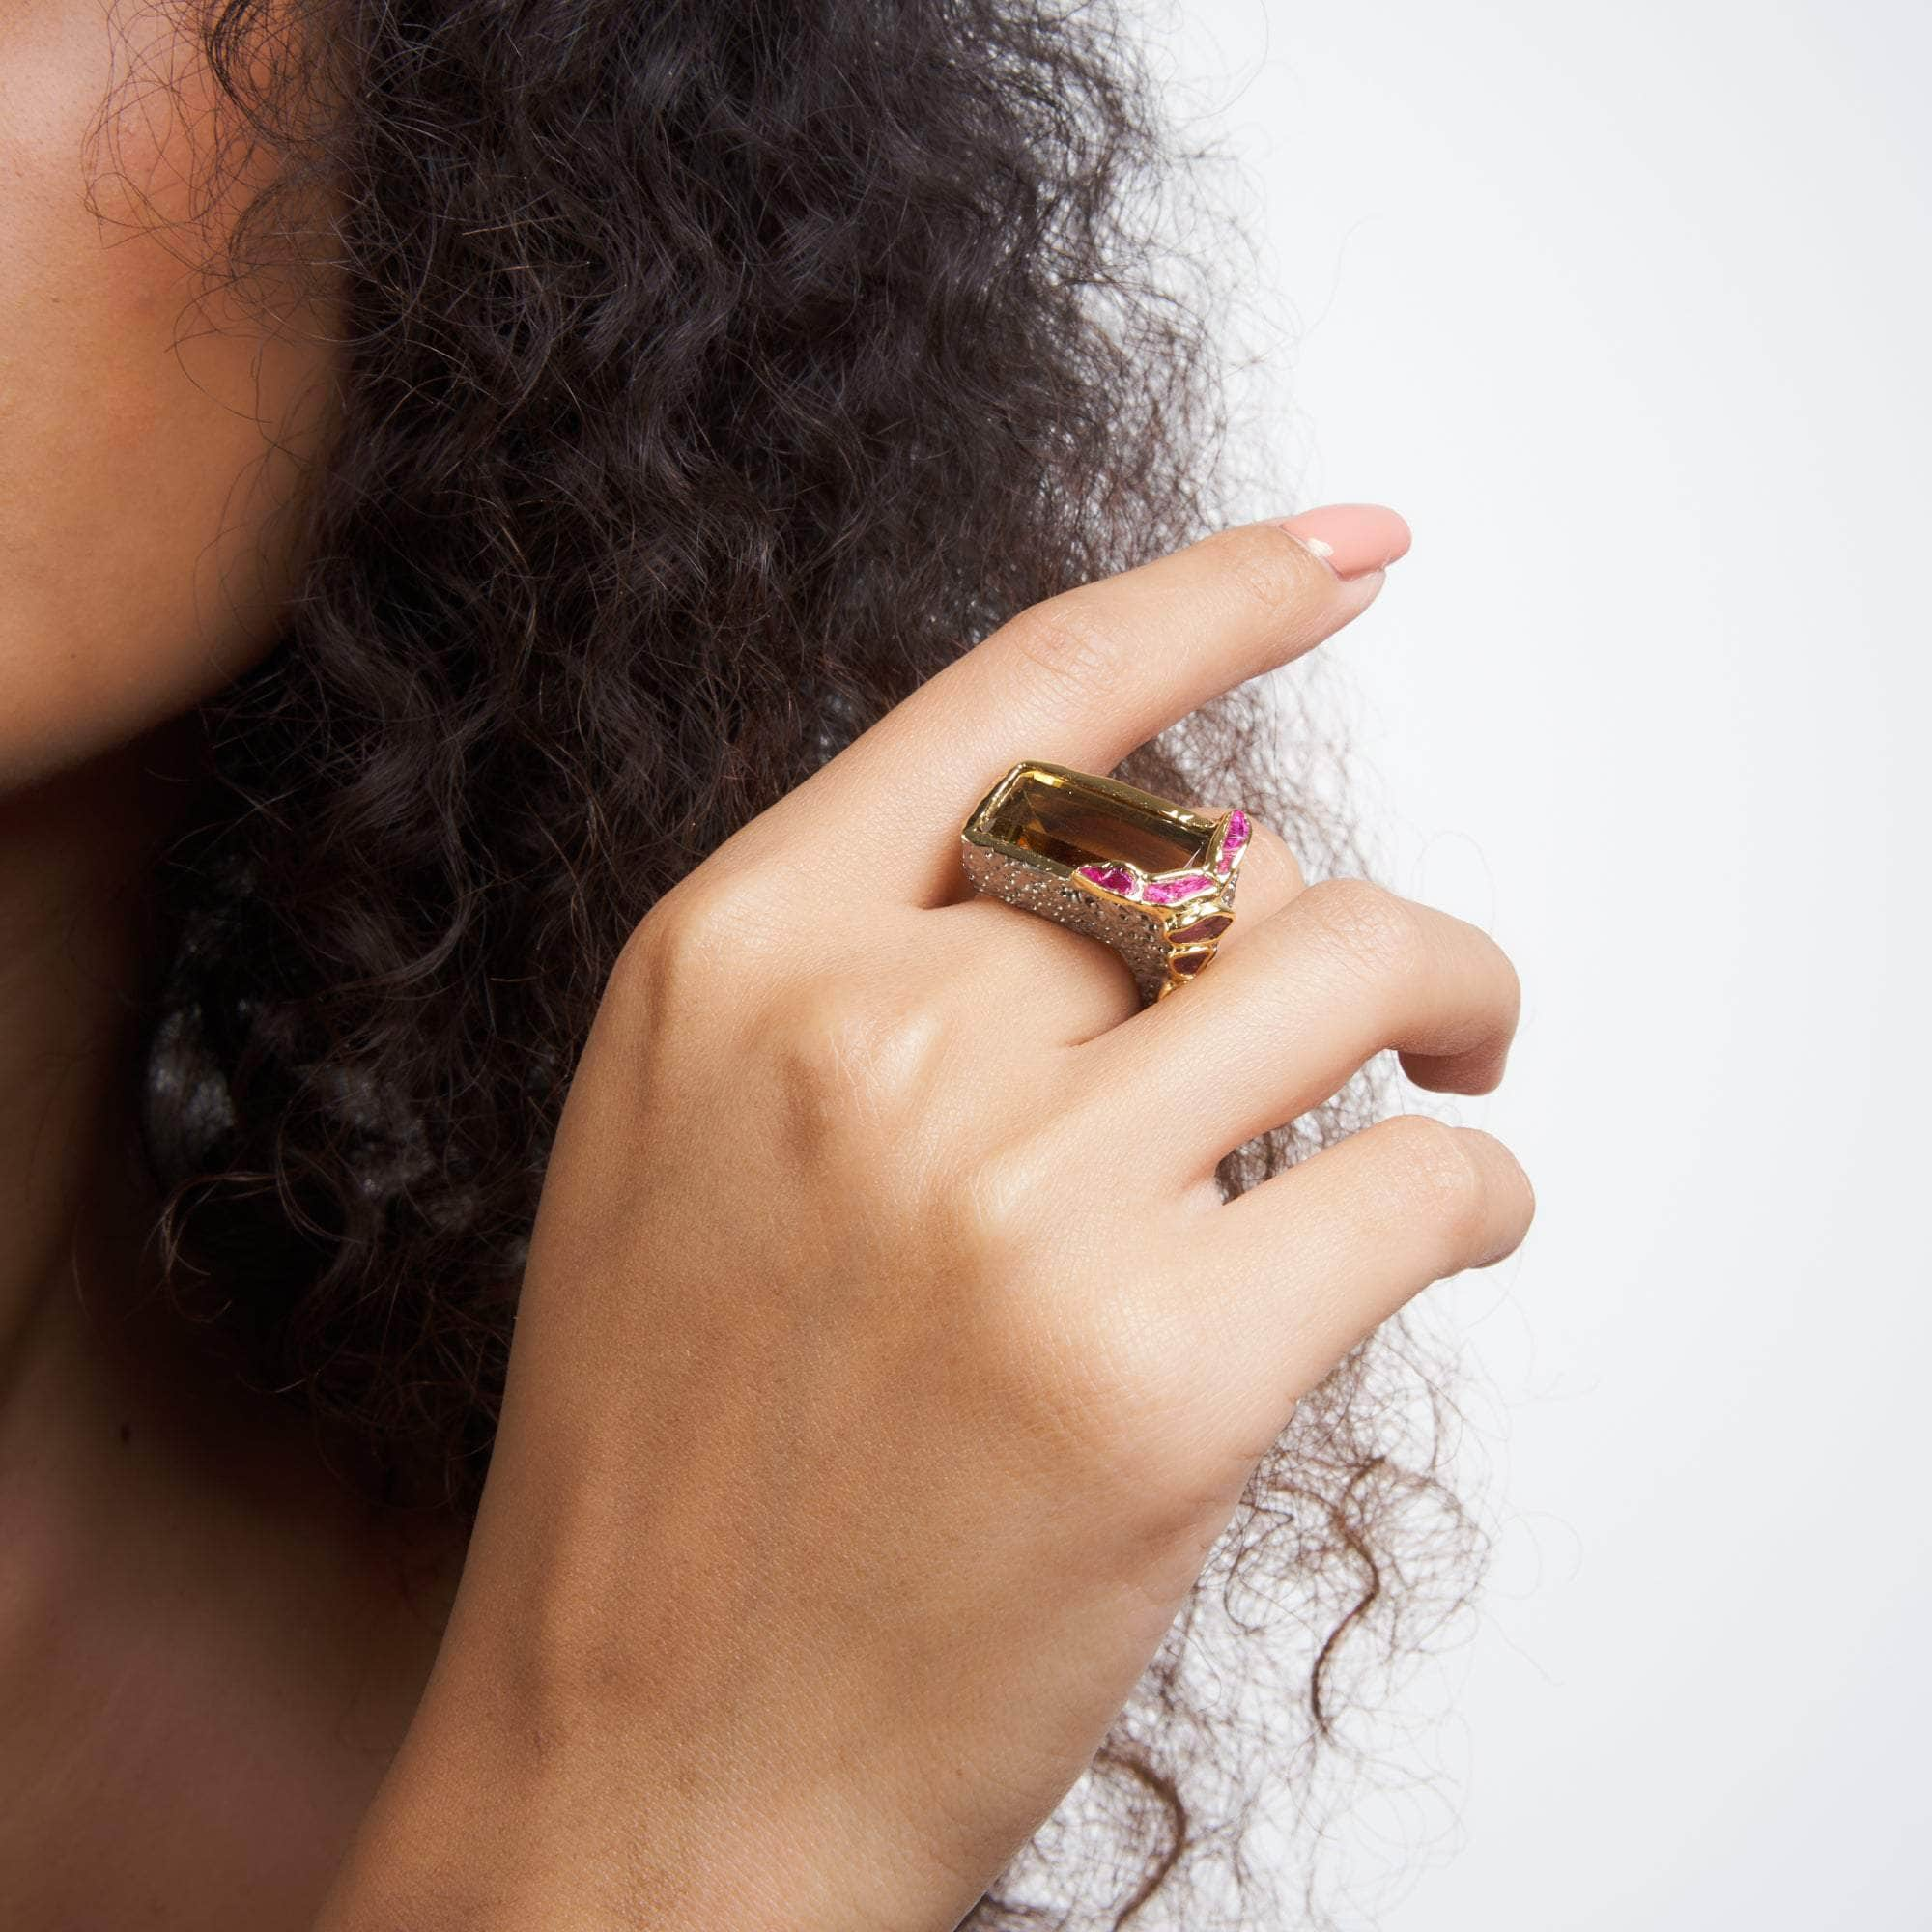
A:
{"points": [[1068, 639], [1075, 1372], [1066, 1368], [849, 1066], [1477, 1037], [1279, 576], [1510, 1006], [1501, 986], [1506, 1014], [996, 1211], [647, 965], [1378, 931], [1439, 1179], [1092, 1348], [996, 1202], [699, 935]]}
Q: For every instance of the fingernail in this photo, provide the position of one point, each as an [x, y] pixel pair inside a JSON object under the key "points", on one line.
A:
{"points": [[1352, 539]]}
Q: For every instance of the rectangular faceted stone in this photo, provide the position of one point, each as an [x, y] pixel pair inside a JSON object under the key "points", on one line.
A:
{"points": [[1043, 816]]}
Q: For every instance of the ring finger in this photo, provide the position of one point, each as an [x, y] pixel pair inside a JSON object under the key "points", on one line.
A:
{"points": [[1339, 971], [1075, 988]]}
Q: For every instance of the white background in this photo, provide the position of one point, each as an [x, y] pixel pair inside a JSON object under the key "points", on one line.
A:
{"points": [[1627, 309]]}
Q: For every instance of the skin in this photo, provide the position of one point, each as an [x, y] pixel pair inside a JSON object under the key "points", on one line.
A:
{"points": [[206, 1654], [140, 491], [810, 1620]]}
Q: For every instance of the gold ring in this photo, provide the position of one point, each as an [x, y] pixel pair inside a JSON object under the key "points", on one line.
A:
{"points": [[1153, 880]]}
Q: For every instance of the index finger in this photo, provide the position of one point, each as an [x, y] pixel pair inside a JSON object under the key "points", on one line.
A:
{"points": [[1085, 677]]}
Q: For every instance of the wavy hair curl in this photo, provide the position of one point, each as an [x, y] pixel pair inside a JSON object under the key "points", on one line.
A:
{"points": [[710, 373]]}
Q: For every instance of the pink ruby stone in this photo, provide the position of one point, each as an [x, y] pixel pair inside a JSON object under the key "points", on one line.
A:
{"points": [[1231, 840], [1165, 891], [1190, 963], [1111, 879], [1211, 928]]}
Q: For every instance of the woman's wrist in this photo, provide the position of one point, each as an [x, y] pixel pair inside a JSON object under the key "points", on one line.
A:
{"points": [[471, 1836], [494, 1819]]}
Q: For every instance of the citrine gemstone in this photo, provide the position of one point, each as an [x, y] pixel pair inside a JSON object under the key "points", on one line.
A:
{"points": [[1076, 826]]}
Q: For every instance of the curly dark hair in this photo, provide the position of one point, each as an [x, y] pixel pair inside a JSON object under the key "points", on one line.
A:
{"points": [[710, 373]]}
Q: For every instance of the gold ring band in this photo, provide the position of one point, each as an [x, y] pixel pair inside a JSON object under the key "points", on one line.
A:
{"points": [[1153, 880]]}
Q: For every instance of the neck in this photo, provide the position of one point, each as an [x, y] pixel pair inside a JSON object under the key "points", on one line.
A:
{"points": [[214, 1643], [75, 852], [102, 1392], [93, 1356]]}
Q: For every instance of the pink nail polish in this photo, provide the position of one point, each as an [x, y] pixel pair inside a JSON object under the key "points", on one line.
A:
{"points": [[1352, 539]]}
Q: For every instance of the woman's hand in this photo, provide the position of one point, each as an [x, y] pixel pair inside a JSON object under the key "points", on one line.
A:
{"points": [[888, 1361]]}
